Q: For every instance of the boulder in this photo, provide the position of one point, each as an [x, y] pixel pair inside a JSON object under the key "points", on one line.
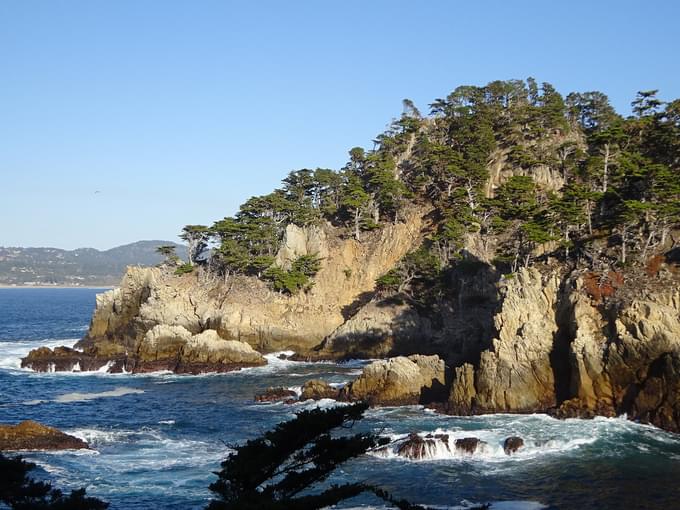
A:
{"points": [[468, 445], [512, 444], [317, 389], [399, 381], [30, 435]]}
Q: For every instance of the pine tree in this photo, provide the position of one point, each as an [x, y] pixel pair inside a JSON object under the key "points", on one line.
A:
{"points": [[277, 471]]}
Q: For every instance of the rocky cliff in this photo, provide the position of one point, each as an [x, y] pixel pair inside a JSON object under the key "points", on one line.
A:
{"points": [[156, 320], [562, 350]]}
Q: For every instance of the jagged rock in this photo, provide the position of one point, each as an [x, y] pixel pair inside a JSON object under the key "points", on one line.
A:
{"points": [[512, 444], [415, 447], [30, 435], [516, 374], [60, 359], [399, 381], [317, 389], [272, 394], [468, 444]]}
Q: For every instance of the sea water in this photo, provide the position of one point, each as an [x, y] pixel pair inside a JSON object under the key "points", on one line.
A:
{"points": [[157, 438]]}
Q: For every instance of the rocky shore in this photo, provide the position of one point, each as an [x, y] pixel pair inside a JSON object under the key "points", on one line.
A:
{"points": [[30, 435], [549, 338]]}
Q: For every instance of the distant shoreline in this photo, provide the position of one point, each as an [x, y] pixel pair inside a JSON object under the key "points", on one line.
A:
{"points": [[103, 287]]}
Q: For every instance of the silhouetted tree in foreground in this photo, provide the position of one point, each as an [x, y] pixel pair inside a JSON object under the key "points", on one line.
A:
{"points": [[278, 470], [19, 492]]}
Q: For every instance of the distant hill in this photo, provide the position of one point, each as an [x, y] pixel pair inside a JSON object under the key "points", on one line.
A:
{"points": [[84, 266]]}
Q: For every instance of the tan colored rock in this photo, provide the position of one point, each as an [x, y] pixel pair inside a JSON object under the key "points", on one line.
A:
{"points": [[30, 435], [163, 342], [208, 348], [401, 380], [316, 389]]}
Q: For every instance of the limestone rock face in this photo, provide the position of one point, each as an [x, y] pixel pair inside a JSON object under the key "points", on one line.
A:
{"points": [[515, 375], [558, 351], [399, 381], [300, 241], [30, 435]]}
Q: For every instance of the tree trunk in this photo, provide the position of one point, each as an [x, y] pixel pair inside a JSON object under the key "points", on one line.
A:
{"points": [[357, 216]]}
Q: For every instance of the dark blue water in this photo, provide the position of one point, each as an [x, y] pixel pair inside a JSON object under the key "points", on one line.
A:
{"points": [[157, 438]]}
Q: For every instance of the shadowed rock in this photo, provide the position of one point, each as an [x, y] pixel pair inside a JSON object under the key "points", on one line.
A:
{"points": [[512, 444], [468, 444]]}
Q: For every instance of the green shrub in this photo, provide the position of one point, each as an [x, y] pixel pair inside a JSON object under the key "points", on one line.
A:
{"points": [[184, 269]]}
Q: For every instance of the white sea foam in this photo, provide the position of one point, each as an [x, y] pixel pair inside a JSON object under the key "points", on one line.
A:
{"points": [[84, 397], [542, 435], [149, 449]]}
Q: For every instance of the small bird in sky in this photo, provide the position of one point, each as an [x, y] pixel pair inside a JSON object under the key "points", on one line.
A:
{"points": [[97, 192]]}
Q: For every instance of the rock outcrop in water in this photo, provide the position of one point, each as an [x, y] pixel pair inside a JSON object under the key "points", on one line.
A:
{"points": [[30, 435], [400, 381], [163, 348]]}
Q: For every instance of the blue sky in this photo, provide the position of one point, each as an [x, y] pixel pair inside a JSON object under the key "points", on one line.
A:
{"points": [[176, 112]]}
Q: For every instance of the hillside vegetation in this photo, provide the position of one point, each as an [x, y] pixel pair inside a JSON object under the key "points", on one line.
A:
{"points": [[526, 172]]}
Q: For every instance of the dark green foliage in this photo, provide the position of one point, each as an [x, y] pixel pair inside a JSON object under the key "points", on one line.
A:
{"points": [[568, 170], [282, 470], [197, 237], [19, 492], [168, 251], [297, 278], [417, 273]]}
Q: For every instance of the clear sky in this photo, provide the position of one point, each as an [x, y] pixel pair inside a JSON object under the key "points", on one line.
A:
{"points": [[125, 120]]}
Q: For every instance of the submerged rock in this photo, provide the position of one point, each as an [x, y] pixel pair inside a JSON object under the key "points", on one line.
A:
{"points": [[30, 435], [317, 389], [512, 444], [272, 394], [399, 381]]}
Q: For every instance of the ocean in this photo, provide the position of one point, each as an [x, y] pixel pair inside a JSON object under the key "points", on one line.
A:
{"points": [[158, 438]]}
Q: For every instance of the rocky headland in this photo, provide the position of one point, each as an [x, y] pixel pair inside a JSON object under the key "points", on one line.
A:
{"points": [[496, 259]]}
